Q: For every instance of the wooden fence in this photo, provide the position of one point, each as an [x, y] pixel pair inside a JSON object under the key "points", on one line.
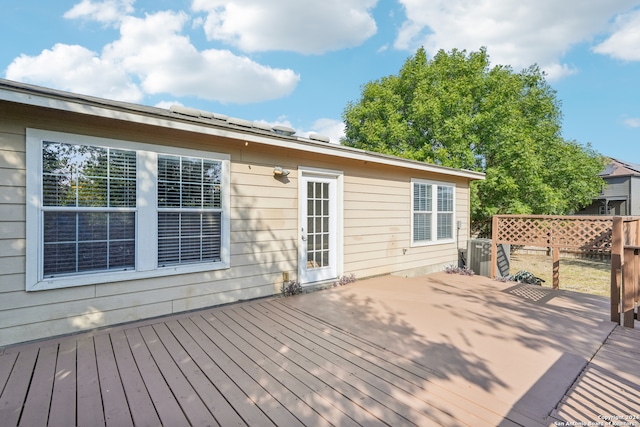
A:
{"points": [[619, 236], [625, 270]]}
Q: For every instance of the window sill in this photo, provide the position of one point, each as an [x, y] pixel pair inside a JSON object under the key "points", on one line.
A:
{"points": [[121, 276]]}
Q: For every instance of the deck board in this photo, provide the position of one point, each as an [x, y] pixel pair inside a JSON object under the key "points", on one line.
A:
{"points": [[190, 402], [371, 411], [334, 406], [369, 354], [290, 392], [410, 378], [116, 409], [90, 409], [215, 402], [368, 389], [7, 361], [165, 402], [143, 412], [609, 385], [63, 399], [37, 404], [15, 391], [252, 381], [239, 391]]}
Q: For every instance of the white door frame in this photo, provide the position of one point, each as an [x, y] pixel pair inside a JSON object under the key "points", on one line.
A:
{"points": [[335, 179]]}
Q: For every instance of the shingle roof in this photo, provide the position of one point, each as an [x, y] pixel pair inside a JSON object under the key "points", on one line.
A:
{"points": [[620, 168], [206, 123]]}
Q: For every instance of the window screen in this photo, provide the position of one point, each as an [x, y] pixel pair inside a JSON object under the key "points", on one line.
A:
{"points": [[89, 200], [433, 210], [189, 210]]}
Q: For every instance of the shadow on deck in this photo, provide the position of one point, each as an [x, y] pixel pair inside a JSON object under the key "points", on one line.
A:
{"points": [[433, 350]]}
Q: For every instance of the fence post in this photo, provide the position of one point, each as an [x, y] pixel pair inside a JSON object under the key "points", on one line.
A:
{"points": [[629, 282], [494, 246], [556, 267], [617, 245], [637, 282]]}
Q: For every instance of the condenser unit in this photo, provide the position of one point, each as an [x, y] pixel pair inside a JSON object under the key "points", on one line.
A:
{"points": [[479, 257]]}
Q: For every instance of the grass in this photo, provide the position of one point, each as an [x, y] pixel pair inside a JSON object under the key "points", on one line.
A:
{"points": [[580, 275]]}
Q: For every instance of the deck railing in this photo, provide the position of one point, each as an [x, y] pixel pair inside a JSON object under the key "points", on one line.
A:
{"points": [[590, 234], [625, 270], [618, 236]]}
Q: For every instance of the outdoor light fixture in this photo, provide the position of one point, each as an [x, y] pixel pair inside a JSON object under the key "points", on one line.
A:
{"points": [[279, 171]]}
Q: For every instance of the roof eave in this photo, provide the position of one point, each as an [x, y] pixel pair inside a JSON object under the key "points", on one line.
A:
{"points": [[152, 116]]}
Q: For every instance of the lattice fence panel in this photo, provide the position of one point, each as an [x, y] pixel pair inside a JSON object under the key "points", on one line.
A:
{"points": [[589, 234]]}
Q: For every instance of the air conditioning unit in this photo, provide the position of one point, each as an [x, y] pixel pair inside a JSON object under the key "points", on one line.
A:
{"points": [[479, 257]]}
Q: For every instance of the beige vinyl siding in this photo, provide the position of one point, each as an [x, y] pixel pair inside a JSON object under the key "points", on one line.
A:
{"points": [[263, 240], [12, 212], [263, 229], [378, 225]]}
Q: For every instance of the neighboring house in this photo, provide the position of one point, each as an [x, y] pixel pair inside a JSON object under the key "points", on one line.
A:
{"points": [[620, 194], [112, 212]]}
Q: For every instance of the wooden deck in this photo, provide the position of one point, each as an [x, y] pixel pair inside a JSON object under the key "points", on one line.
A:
{"points": [[434, 350]]}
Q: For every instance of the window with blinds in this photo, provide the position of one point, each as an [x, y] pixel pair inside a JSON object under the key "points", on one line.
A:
{"points": [[445, 212], [189, 210], [433, 212], [422, 212], [89, 209], [104, 210]]}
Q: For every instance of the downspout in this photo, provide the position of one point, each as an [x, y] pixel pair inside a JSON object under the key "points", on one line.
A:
{"points": [[629, 197]]}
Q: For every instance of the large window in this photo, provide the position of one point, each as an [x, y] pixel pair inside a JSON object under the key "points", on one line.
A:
{"points": [[106, 210], [189, 210], [88, 208], [432, 212]]}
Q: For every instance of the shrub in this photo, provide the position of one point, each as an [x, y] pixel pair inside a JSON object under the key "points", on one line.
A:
{"points": [[291, 287], [345, 280], [465, 271]]}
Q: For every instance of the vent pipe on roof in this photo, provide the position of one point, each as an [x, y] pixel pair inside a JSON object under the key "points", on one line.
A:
{"points": [[185, 111], [262, 126], [321, 138], [239, 122], [283, 130]]}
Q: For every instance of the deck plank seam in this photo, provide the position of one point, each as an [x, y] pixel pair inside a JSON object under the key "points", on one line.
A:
{"points": [[388, 361], [365, 378]]}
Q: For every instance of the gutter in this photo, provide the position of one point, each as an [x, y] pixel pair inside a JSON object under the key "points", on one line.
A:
{"points": [[98, 107]]}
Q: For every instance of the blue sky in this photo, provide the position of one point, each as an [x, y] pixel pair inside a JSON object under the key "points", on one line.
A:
{"points": [[299, 62]]}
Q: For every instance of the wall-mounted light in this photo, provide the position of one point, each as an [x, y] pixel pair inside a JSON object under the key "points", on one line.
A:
{"points": [[279, 171]]}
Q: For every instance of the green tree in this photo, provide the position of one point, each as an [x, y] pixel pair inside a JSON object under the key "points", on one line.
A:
{"points": [[455, 110]]}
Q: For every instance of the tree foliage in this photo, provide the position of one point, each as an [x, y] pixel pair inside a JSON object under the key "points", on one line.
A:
{"points": [[455, 110]]}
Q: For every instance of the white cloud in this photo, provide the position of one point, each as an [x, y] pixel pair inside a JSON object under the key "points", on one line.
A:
{"points": [[632, 122], [557, 71], [106, 12], [516, 33], [309, 27], [168, 104], [334, 129], [154, 49], [153, 56], [76, 69], [624, 43]]}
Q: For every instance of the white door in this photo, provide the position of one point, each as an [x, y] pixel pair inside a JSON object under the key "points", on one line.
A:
{"points": [[318, 230]]}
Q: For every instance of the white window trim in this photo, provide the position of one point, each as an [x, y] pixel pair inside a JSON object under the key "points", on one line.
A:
{"points": [[146, 206], [434, 216]]}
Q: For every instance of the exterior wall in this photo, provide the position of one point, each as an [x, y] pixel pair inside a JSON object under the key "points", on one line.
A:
{"points": [[634, 199], [617, 187], [264, 230], [377, 204]]}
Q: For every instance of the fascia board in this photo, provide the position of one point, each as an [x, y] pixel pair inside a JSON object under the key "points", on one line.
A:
{"points": [[106, 110]]}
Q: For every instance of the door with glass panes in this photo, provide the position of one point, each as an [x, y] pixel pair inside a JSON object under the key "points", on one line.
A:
{"points": [[318, 220]]}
